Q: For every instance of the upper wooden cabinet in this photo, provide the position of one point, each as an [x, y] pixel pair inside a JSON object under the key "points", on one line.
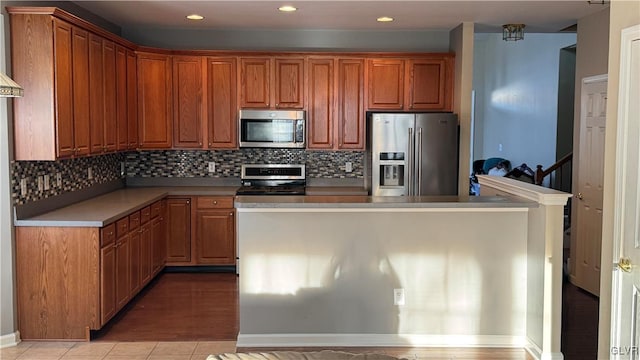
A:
{"points": [[132, 99], [110, 98], [221, 99], [335, 107], [424, 83], [121, 98], [267, 82], [187, 102], [386, 84], [155, 118]]}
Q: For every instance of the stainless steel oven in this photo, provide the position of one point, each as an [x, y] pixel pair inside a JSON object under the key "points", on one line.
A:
{"points": [[272, 128]]}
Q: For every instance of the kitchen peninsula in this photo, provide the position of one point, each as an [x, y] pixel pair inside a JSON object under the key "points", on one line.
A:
{"points": [[363, 271]]}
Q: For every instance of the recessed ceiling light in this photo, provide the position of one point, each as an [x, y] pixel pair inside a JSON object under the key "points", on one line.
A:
{"points": [[195, 17], [287, 8], [384, 19]]}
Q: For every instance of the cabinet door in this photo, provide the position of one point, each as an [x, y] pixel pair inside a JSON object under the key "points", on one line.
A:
{"points": [[386, 84], [320, 104], [215, 237], [122, 272], [96, 94], [179, 232], [221, 102], [110, 101], [81, 112], [289, 83], [145, 253], [154, 101], [428, 86], [121, 98], [107, 282], [158, 244], [350, 108], [132, 99], [64, 89], [134, 261], [187, 102], [254, 82]]}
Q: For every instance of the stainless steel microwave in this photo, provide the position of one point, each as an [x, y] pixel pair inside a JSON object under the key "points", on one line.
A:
{"points": [[272, 128]]}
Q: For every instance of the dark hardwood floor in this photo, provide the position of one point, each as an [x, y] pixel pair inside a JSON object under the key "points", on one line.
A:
{"points": [[204, 307], [179, 307]]}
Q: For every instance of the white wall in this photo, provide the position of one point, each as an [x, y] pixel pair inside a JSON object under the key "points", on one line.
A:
{"points": [[516, 86]]}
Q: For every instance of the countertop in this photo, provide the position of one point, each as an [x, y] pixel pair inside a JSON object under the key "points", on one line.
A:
{"points": [[351, 201], [105, 209]]}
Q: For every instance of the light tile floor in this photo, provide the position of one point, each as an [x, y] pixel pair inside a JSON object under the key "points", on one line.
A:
{"points": [[191, 350]]}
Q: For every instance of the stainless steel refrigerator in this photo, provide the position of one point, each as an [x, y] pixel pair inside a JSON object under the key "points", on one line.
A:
{"points": [[412, 154]]}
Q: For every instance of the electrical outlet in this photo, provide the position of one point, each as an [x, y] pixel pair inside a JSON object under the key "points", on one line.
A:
{"points": [[212, 166], [59, 180], [47, 182], [23, 187], [40, 183], [90, 173], [398, 296], [500, 147], [122, 170], [348, 166]]}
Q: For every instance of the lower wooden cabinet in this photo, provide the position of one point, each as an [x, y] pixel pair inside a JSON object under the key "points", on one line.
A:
{"points": [[215, 237], [107, 283], [201, 231]]}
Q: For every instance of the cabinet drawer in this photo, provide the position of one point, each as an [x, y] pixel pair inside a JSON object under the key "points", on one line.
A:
{"points": [[122, 227], [214, 202], [145, 215], [134, 220], [108, 234], [156, 208]]}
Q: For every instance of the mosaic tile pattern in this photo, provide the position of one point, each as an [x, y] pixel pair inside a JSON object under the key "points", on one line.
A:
{"points": [[173, 163], [74, 174], [194, 163]]}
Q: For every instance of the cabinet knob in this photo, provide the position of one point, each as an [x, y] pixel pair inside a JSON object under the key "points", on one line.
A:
{"points": [[110, 233], [210, 144], [200, 143], [140, 230], [187, 201], [215, 202], [230, 214]]}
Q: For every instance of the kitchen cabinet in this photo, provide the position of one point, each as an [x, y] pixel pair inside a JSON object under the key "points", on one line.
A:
{"points": [[96, 94], [187, 102], [123, 263], [424, 83], [121, 98], [267, 82], [386, 84], [179, 230], [134, 254], [51, 120], [109, 94], [320, 103], [107, 274], [215, 231], [145, 246], [335, 124], [350, 104], [158, 236], [132, 99], [221, 99], [155, 101]]}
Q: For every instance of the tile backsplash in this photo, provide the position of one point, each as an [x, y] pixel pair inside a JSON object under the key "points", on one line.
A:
{"points": [[74, 176], [171, 163]]}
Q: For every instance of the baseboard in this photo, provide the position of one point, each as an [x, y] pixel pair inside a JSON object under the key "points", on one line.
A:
{"points": [[372, 340], [537, 353], [10, 340]]}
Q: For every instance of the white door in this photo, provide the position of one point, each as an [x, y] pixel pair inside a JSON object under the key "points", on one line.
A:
{"points": [[585, 250], [625, 316]]}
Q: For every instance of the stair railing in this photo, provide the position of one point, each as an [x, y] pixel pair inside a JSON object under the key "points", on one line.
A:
{"points": [[557, 167]]}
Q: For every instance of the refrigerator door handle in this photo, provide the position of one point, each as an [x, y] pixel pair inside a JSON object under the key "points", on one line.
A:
{"points": [[419, 163], [410, 163]]}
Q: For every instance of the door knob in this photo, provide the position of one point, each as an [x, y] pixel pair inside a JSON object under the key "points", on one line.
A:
{"points": [[579, 196], [624, 264]]}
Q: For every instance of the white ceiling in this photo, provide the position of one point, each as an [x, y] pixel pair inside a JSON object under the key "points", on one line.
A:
{"points": [[539, 16]]}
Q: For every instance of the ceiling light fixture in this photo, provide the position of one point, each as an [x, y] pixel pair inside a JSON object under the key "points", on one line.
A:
{"points": [[287, 8], [384, 19], [9, 88], [512, 32], [195, 17]]}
